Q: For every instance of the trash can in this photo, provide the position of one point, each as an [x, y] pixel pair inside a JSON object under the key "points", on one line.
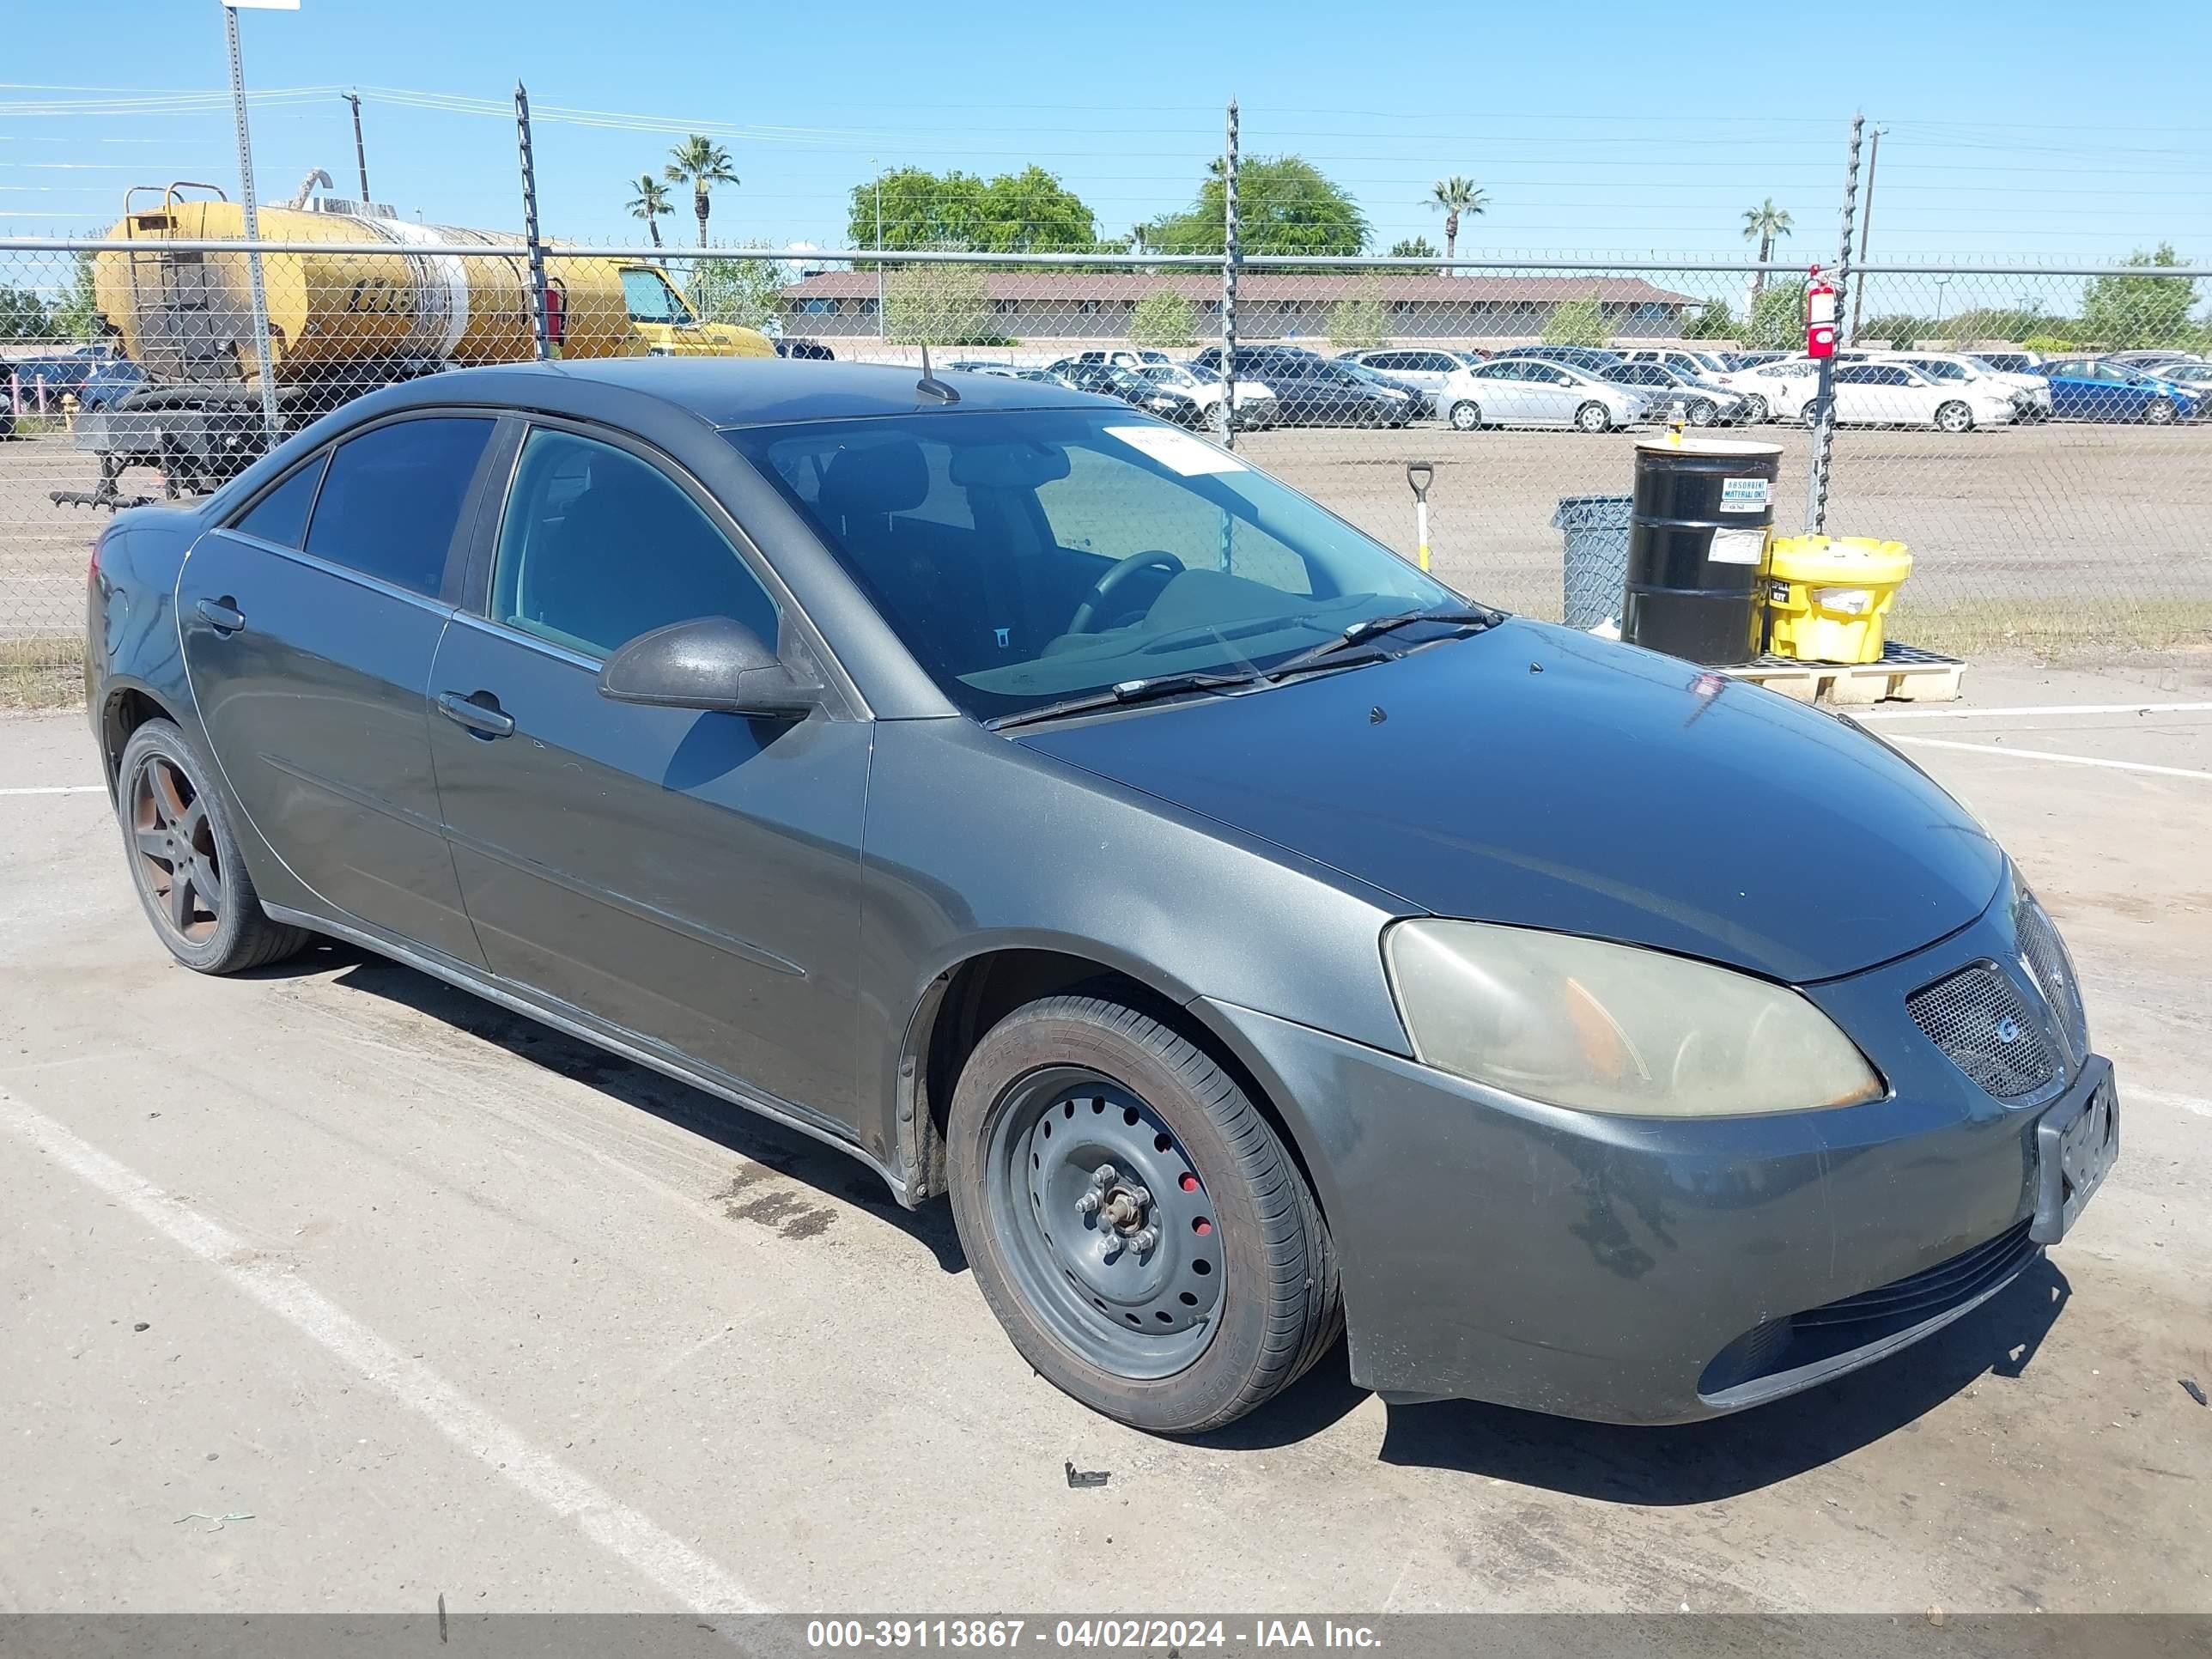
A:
{"points": [[1597, 557], [1697, 548], [1827, 597]]}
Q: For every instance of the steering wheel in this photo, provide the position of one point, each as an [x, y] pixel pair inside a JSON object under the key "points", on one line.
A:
{"points": [[1087, 614]]}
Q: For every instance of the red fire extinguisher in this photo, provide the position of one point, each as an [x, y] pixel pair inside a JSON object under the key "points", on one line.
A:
{"points": [[1819, 316]]}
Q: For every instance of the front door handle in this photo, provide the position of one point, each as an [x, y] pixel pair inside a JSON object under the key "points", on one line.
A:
{"points": [[479, 712], [222, 614]]}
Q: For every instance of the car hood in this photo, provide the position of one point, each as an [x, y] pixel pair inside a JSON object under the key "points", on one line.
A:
{"points": [[1538, 776]]}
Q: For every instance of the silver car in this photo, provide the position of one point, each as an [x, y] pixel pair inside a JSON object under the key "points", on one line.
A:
{"points": [[1426, 367], [1529, 391]]}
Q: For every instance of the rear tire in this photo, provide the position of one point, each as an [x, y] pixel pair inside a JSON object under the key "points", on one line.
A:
{"points": [[1235, 1292], [184, 861], [1755, 411], [1465, 417]]}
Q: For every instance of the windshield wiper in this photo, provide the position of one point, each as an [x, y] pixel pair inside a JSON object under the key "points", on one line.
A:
{"points": [[1120, 694], [1360, 632]]}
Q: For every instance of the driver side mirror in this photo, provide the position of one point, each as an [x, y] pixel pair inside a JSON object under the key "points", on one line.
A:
{"points": [[708, 663]]}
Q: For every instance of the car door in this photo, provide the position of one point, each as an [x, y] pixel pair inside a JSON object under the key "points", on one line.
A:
{"points": [[1552, 394], [1500, 390], [690, 878], [309, 622]]}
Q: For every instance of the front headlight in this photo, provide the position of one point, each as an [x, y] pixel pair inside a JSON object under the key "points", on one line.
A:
{"points": [[1613, 1028]]}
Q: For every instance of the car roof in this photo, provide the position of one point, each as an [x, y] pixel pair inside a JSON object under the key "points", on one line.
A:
{"points": [[727, 392]]}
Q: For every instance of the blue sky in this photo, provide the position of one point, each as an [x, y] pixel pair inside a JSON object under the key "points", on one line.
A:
{"points": [[1595, 127]]}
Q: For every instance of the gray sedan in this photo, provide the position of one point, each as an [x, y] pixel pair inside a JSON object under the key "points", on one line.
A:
{"points": [[1252, 937]]}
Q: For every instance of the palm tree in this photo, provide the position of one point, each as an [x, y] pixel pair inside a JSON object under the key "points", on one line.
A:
{"points": [[1453, 196], [1765, 225], [702, 163], [649, 204]]}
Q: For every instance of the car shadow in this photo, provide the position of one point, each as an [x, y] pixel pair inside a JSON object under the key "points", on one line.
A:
{"points": [[1727, 1456], [748, 1135]]}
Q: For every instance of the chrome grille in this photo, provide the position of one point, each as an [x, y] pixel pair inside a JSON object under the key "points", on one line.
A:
{"points": [[2053, 969], [1980, 1019]]}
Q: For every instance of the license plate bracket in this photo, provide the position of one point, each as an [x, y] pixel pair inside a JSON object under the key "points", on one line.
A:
{"points": [[2076, 1144]]}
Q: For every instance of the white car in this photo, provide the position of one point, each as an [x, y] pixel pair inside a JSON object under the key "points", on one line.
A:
{"points": [[1123, 357], [1892, 394], [1530, 391], [1256, 404], [2031, 392], [1426, 367], [1785, 386], [1708, 366]]}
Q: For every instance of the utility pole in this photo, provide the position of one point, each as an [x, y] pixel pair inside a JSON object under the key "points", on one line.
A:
{"points": [[540, 320], [265, 356], [1230, 258], [1824, 434], [877, 169], [360, 155], [1866, 224]]}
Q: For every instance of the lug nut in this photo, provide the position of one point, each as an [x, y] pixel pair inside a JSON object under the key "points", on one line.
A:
{"points": [[1142, 1239], [1088, 1204], [1102, 1176]]}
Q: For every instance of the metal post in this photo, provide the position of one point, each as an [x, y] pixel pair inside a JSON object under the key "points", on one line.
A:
{"points": [[1230, 257], [1866, 225], [263, 356], [879, 248], [540, 320], [360, 153], [1824, 434]]}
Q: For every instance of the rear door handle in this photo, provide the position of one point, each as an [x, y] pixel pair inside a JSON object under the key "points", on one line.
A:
{"points": [[485, 718], [222, 614]]}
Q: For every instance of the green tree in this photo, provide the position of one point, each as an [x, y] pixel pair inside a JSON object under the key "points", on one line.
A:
{"points": [[2127, 312], [1776, 321], [650, 204], [1577, 322], [1285, 204], [1361, 320], [1412, 247], [1902, 330], [702, 163], [746, 292], [24, 315], [76, 314], [1164, 318], [937, 305], [1766, 224], [1997, 323], [1030, 211], [1455, 198], [1714, 321]]}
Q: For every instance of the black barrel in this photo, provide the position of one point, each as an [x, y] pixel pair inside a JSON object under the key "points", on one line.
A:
{"points": [[1697, 545]]}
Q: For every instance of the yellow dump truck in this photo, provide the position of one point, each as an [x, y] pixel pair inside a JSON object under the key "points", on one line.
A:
{"points": [[339, 323]]}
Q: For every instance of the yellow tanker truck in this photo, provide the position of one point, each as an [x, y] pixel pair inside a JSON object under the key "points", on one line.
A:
{"points": [[340, 324]]}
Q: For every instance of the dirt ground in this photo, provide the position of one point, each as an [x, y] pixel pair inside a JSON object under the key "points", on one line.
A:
{"points": [[2050, 536], [331, 1288]]}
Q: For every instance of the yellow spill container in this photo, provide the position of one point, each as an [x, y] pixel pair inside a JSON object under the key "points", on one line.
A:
{"points": [[1829, 595]]}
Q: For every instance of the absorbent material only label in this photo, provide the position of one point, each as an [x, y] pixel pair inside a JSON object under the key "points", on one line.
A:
{"points": [[1746, 494], [1738, 547]]}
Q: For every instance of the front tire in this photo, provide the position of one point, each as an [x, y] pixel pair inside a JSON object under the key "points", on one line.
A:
{"points": [[2160, 413], [185, 860], [1465, 417], [1593, 417], [1702, 413], [1133, 1220], [1755, 411], [1954, 417]]}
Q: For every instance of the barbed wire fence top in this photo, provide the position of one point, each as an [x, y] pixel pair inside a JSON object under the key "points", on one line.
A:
{"points": [[2038, 430]]}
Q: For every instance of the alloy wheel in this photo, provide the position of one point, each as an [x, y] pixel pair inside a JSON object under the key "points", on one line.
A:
{"points": [[1105, 1223], [173, 844]]}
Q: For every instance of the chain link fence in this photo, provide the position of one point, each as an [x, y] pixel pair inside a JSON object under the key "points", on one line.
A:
{"points": [[2041, 437]]}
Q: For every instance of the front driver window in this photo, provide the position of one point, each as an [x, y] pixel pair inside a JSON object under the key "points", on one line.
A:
{"points": [[599, 547]]}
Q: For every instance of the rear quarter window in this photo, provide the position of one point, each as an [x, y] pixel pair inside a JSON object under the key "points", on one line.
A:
{"points": [[280, 516]]}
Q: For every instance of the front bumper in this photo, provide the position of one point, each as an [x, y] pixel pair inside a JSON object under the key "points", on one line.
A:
{"points": [[1653, 1271]]}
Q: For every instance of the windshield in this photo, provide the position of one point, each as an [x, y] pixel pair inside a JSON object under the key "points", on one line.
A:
{"points": [[1028, 557]]}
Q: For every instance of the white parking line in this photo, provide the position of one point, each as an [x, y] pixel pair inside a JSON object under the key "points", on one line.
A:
{"points": [[2188, 1104], [2053, 755], [60, 789], [697, 1583], [2044, 708]]}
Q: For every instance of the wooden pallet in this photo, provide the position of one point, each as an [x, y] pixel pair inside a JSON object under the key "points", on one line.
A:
{"points": [[1905, 674]]}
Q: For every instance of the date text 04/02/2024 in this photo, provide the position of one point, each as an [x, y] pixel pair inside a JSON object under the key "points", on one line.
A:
{"points": [[1112, 1634]]}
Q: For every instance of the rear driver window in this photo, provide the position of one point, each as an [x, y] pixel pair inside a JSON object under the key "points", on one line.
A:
{"points": [[393, 496]]}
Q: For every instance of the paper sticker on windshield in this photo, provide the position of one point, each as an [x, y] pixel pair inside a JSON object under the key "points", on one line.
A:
{"points": [[1745, 495], [1179, 450], [1738, 546]]}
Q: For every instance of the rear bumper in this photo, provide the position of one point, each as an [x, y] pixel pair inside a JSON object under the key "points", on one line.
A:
{"points": [[1643, 1271]]}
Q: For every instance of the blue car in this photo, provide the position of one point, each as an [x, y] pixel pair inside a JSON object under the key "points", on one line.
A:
{"points": [[2098, 389]]}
